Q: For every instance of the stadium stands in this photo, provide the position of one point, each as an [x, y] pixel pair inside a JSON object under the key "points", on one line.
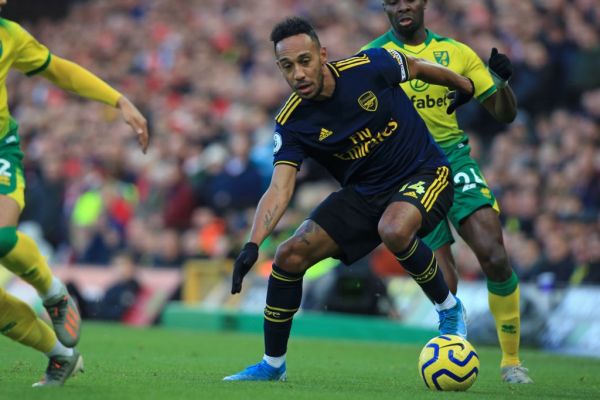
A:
{"points": [[204, 75]]}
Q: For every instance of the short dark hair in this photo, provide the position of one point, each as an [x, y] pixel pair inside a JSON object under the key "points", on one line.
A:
{"points": [[293, 26]]}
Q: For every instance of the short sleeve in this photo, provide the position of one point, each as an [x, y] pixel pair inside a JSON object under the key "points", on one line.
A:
{"points": [[476, 70], [32, 57], [391, 63], [286, 148]]}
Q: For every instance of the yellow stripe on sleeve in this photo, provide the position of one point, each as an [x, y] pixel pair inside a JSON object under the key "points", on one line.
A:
{"points": [[289, 109], [356, 64], [293, 164], [350, 60]]}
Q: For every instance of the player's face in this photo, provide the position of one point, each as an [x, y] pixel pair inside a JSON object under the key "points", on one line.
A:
{"points": [[301, 61], [406, 16]]}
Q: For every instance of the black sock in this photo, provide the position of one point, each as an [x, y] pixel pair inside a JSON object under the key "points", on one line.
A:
{"points": [[418, 260], [284, 295]]}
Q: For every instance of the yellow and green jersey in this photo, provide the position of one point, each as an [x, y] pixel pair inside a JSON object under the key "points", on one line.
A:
{"points": [[430, 100], [20, 50]]}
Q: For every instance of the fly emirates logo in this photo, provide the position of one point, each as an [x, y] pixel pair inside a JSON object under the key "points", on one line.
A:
{"points": [[364, 141]]}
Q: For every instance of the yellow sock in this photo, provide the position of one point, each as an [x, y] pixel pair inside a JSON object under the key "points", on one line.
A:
{"points": [[19, 322], [503, 298], [26, 261]]}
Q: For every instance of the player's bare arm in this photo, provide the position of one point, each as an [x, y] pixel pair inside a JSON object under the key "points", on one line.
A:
{"points": [[270, 209], [76, 79], [502, 104], [273, 203], [463, 87], [436, 74]]}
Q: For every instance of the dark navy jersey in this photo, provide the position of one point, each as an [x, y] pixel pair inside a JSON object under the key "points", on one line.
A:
{"points": [[367, 134]]}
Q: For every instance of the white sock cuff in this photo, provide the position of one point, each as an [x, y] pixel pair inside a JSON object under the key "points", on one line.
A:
{"points": [[274, 362], [60, 350], [446, 304], [55, 288]]}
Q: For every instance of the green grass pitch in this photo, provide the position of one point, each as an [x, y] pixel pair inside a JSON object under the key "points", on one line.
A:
{"points": [[127, 363]]}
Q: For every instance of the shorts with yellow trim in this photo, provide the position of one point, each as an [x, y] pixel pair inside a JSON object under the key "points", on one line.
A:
{"points": [[471, 193], [12, 180], [351, 219]]}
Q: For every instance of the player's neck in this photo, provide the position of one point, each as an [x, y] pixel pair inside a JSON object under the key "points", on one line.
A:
{"points": [[417, 37], [328, 85]]}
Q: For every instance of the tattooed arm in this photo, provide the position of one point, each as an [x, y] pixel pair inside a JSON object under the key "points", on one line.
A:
{"points": [[274, 202]]}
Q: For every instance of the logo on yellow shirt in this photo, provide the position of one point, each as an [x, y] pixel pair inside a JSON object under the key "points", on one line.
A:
{"points": [[442, 57], [418, 85]]}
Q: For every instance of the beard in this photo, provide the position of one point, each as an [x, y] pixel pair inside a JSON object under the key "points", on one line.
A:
{"points": [[320, 84], [319, 89]]}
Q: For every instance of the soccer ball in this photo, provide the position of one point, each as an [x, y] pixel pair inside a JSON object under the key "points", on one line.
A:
{"points": [[448, 362]]}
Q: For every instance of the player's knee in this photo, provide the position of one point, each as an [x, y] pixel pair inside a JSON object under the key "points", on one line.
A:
{"points": [[494, 262], [8, 239], [395, 237], [289, 258]]}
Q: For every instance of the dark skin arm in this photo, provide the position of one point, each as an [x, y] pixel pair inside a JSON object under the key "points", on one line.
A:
{"points": [[502, 105], [438, 75]]}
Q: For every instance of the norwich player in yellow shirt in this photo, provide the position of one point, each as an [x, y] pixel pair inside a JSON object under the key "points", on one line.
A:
{"points": [[474, 213], [18, 252]]}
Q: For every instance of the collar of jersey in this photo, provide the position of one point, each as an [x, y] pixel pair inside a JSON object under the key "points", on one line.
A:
{"points": [[413, 49]]}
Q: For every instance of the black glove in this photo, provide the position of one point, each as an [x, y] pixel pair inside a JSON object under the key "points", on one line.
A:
{"points": [[244, 261], [500, 65], [458, 98]]}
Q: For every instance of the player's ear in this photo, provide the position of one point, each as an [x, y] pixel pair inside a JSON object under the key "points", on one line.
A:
{"points": [[323, 55]]}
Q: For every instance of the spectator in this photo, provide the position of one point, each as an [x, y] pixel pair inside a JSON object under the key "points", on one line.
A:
{"points": [[119, 297], [204, 75]]}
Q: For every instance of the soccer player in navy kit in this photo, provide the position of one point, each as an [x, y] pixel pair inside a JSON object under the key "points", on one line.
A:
{"points": [[352, 117]]}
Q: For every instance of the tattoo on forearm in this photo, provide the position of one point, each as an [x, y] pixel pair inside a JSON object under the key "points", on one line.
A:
{"points": [[305, 230], [269, 217]]}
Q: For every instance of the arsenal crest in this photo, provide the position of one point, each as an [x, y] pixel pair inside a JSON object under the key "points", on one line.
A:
{"points": [[368, 101]]}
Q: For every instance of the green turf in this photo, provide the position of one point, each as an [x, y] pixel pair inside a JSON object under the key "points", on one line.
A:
{"points": [[126, 363]]}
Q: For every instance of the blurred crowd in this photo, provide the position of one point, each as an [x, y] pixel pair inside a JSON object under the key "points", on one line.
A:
{"points": [[203, 73]]}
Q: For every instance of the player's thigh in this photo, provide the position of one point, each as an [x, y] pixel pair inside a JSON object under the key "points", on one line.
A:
{"points": [[471, 191], [431, 193], [350, 220], [12, 189]]}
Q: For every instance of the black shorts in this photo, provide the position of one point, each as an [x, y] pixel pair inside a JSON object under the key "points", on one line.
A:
{"points": [[351, 219]]}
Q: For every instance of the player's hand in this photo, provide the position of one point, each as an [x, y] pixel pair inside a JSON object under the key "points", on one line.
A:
{"points": [[459, 97], [500, 65], [136, 120], [244, 261]]}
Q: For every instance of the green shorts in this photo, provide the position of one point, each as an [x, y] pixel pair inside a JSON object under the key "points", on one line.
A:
{"points": [[471, 193], [12, 180]]}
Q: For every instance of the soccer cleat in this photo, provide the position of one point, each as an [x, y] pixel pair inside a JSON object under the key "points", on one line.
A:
{"points": [[60, 369], [65, 318], [515, 374], [454, 320], [259, 372]]}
